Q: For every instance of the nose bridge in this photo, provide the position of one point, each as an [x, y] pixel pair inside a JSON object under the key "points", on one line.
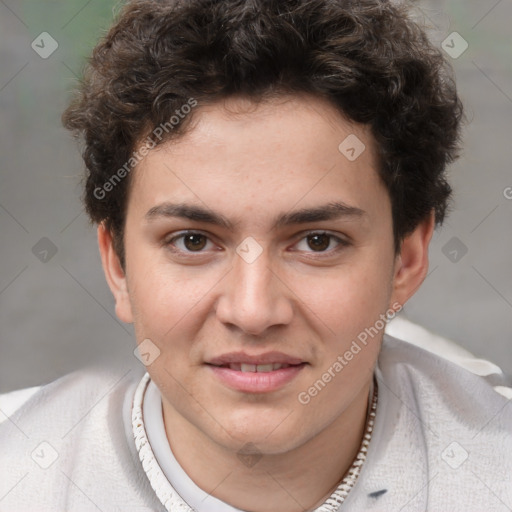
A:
{"points": [[253, 298]]}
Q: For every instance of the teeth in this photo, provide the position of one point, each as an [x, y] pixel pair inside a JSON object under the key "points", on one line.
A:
{"points": [[260, 368], [264, 367]]}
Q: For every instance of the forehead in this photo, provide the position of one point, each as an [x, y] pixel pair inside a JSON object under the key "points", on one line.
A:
{"points": [[295, 124], [280, 152]]}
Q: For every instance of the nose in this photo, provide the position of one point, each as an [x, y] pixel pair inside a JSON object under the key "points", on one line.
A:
{"points": [[254, 298]]}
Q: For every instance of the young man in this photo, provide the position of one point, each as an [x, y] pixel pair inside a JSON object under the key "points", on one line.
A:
{"points": [[266, 177]]}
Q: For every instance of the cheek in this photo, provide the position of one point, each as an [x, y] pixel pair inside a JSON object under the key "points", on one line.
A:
{"points": [[164, 304], [348, 300], [347, 310], [163, 294]]}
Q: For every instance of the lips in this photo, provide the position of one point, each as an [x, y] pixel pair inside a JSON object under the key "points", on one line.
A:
{"points": [[257, 360], [259, 373], [260, 368]]}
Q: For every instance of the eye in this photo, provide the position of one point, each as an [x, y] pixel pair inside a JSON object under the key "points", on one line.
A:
{"points": [[189, 241], [320, 242]]}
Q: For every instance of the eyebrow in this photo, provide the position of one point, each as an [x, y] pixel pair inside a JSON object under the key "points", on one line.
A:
{"points": [[329, 211]]}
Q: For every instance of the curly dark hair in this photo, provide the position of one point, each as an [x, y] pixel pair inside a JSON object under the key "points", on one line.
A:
{"points": [[368, 58]]}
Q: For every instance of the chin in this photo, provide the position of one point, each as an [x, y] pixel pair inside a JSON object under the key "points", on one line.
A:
{"points": [[271, 432], [258, 443]]}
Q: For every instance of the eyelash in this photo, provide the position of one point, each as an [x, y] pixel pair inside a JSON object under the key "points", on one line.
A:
{"points": [[342, 243]]}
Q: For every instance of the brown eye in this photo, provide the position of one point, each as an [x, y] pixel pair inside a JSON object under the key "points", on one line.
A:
{"points": [[319, 241], [188, 243], [194, 242]]}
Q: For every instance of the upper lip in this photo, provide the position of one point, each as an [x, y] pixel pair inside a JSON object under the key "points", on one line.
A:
{"points": [[265, 358]]}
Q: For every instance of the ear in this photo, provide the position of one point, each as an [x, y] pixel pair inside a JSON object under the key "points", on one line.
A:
{"points": [[411, 264], [114, 274]]}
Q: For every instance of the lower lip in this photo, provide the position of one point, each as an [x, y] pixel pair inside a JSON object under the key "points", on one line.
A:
{"points": [[256, 382]]}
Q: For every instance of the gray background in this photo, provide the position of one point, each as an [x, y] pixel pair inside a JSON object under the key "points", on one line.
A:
{"points": [[58, 315]]}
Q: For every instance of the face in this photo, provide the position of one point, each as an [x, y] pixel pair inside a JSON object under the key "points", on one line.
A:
{"points": [[254, 243]]}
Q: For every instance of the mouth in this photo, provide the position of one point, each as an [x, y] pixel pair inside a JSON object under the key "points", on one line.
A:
{"points": [[264, 360], [256, 368], [257, 373]]}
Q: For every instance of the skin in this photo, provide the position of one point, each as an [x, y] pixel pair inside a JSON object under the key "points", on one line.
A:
{"points": [[251, 163]]}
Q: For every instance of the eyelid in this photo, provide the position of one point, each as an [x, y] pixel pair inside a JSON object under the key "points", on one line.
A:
{"points": [[169, 240], [342, 242]]}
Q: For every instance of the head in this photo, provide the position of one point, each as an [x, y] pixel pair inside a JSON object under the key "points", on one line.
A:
{"points": [[303, 146]]}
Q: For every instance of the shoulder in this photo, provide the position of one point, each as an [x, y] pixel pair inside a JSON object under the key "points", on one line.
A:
{"points": [[69, 442], [443, 372], [415, 334], [12, 401], [71, 394], [451, 422], [443, 391]]}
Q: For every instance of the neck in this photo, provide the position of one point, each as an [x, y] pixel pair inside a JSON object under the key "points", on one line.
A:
{"points": [[300, 479]]}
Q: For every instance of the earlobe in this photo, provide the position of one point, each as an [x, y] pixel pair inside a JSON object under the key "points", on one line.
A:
{"points": [[114, 274], [411, 264]]}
